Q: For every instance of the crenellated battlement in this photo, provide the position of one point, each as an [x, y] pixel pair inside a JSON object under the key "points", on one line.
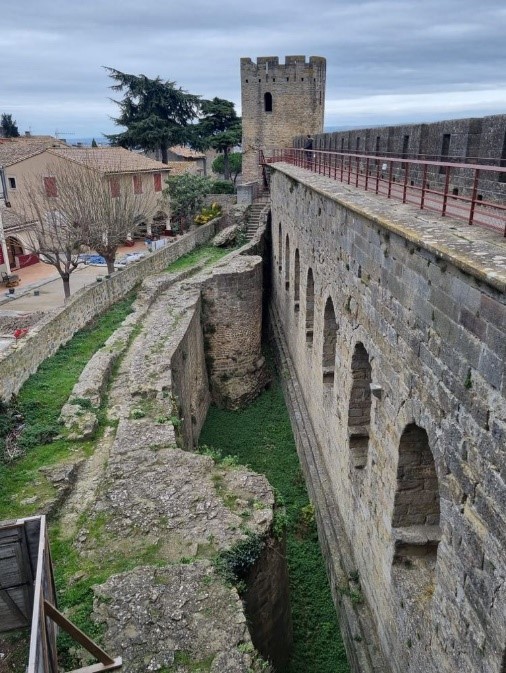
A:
{"points": [[279, 102]]}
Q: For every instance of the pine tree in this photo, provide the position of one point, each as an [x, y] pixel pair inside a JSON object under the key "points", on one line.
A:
{"points": [[9, 127], [155, 112], [220, 128]]}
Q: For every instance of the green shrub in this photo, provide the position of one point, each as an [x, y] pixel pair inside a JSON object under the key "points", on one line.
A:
{"points": [[222, 187]]}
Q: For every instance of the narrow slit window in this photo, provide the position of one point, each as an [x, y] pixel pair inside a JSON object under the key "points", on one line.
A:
{"points": [[309, 308], [268, 102], [296, 283], [329, 344]]}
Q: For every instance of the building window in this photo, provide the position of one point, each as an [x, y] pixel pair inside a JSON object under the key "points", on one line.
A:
{"points": [[50, 188], [268, 102], [157, 177], [137, 184], [12, 183], [115, 188], [280, 248], [309, 308], [445, 150], [296, 283], [287, 264], [405, 146]]}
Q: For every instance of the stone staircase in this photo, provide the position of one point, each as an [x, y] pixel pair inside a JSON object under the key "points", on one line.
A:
{"points": [[254, 216]]}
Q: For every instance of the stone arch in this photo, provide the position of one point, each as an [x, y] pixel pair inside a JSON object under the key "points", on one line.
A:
{"points": [[296, 282], [287, 263], [280, 247], [267, 101], [359, 410], [329, 344], [309, 307], [416, 512]]}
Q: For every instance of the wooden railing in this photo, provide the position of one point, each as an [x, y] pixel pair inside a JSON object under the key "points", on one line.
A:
{"points": [[28, 598]]}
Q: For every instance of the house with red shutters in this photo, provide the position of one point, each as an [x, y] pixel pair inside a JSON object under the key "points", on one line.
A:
{"points": [[23, 161]]}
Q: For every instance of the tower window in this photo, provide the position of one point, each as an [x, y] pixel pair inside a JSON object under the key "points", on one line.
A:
{"points": [[268, 102]]}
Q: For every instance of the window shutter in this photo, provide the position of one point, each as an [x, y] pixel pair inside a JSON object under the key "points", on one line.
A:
{"points": [[137, 184], [50, 187], [158, 182], [115, 188]]}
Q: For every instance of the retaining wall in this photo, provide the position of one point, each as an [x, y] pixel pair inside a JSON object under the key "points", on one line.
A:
{"points": [[23, 359]]}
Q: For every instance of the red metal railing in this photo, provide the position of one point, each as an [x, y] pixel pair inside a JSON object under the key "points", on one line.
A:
{"points": [[470, 192]]}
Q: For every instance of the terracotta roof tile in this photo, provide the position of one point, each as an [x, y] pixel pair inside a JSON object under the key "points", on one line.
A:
{"points": [[13, 150], [178, 167], [186, 152], [110, 159]]}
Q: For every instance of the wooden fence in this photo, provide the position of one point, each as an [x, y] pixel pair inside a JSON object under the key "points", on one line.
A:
{"points": [[28, 597]]}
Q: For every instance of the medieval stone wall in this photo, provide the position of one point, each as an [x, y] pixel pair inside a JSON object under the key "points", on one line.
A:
{"points": [[279, 101], [409, 410], [23, 359], [480, 140]]}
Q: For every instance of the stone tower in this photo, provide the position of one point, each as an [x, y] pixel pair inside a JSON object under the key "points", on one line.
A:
{"points": [[279, 102]]}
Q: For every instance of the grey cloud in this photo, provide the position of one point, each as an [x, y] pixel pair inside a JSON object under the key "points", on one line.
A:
{"points": [[52, 52]]}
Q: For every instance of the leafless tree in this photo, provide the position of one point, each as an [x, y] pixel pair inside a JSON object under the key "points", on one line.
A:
{"points": [[79, 208], [111, 211], [55, 238]]}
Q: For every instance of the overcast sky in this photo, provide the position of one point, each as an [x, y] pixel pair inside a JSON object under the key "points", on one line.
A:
{"points": [[388, 61]]}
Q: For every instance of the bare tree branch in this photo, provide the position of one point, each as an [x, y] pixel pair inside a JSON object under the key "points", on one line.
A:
{"points": [[82, 207]]}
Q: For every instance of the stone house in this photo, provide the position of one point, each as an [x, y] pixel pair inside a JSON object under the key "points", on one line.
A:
{"points": [[193, 162], [124, 170]]}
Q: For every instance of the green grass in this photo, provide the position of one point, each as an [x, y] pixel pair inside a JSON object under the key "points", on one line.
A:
{"points": [[39, 403], [261, 437], [206, 254]]}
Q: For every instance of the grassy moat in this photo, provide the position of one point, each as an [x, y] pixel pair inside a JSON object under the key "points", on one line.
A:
{"points": [[261, 437]]}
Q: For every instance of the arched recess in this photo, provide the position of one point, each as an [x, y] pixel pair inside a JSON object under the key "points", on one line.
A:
{"points": [[416, 505], [268, 102], [329, 344], [309, 307], [14, 250], [280, 248], [296, 282], [359, 411], [287, 263]]}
